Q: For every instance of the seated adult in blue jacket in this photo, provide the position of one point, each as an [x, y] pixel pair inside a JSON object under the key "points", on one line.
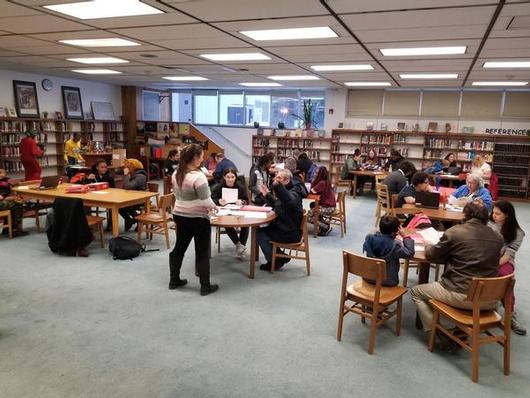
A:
{"points": [[222, 164], [383, 245], [473, 190]]}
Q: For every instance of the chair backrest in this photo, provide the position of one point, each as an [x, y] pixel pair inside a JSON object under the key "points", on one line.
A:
{"points": [[303, 226], [379, 178], [165, 204], [383, 196], [167, 185], [153, 187], [490, 289], [394, 200], [341, 201], [365, 267]]}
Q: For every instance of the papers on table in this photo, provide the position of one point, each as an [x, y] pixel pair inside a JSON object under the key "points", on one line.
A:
{"points": [[229, 195], [232, 207], [241, 213], [23, 187], [430, 235], [457, 209]]}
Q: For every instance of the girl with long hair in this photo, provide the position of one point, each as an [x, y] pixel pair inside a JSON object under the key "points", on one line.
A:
{"points": [[322, 186], [191, 214]]}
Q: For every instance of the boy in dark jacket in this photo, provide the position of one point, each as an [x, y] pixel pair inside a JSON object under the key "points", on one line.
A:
{"points": [[287, 204], [383, 245]]}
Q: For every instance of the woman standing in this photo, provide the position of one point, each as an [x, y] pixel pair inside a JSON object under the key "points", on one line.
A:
{"points": [[504, 221], [29, 152], [193, 202], [322, 186], [481, 168], [230, 181]]}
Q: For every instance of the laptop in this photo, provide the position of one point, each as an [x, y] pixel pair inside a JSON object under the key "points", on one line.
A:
{"points": [[454, 170], [49, 182], [429, 200]]}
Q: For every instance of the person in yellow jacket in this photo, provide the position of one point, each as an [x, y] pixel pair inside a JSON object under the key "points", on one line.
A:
{"points": [[72, 150]]}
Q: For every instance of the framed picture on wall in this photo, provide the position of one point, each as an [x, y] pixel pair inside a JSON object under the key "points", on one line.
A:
{"points": [[26, 100], [102, 110], [73, 108]]}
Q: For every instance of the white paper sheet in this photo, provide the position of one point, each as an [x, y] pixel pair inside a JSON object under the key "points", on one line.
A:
{"points": [[241, 213], [229, 194], [431, 235]]}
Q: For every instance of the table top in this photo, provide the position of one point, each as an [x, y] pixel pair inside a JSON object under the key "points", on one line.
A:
{"points": [[449, 177], [241, 221], [369, 172], [440, 213], [110, 195]]}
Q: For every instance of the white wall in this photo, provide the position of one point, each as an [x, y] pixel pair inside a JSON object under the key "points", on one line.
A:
{"points": [[51, 101]]}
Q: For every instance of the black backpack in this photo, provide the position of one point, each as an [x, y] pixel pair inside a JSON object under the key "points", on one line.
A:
{"points": [[125, 248]]}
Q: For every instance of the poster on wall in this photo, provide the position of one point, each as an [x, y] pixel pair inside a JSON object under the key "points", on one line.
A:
{"points": [[26, 100], [102, 110], [73, 107]]}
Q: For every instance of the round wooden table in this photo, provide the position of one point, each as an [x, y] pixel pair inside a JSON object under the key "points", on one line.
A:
{"points": [[236, 221]]}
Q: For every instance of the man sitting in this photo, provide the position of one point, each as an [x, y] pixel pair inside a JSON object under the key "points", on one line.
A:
{"points": [[100, 173], [8, 201], [468, 250], [398, 179], [474, 189], [287, 204], [222, 164], [383, 245]]}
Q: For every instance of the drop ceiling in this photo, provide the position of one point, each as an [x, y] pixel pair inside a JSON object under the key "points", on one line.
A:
{"points": [[173, 41]]}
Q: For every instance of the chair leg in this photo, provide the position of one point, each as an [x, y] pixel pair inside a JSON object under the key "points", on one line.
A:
{"points": [[218, 239], [363, 318], [373, 330], [10, 226], [166, 233], [273, 262], [405, 272], [432, 336], [342, 228], [307, 262], [475, 352], [139, 233], [507, 348], [398, 316], [341, 319], [101, 235], [37, 220]]}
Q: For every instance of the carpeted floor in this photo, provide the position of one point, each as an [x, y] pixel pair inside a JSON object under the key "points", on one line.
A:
{"points": [[94, 327]]}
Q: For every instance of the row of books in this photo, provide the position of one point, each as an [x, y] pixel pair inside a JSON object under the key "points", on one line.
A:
{"points": [[380, 151], [438, 143], [479, 145], [376, 139], [15, 166]]}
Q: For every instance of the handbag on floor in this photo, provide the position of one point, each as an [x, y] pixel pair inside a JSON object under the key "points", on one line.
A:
{"points": [[125, 248]]}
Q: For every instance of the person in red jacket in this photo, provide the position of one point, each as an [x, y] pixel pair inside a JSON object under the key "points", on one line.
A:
{"points": [[29, 151]]}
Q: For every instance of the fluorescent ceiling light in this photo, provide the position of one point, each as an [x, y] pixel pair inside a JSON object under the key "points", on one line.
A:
{"points": [[320, 32], [107, 42], [104, 9], [97, 71], [508, 64], [293, 77], [236, 57], [507, 83], [184, 78], [396, 52], [326, 68], [367, 84], [99, 60], [429, 76], [271, 84]]}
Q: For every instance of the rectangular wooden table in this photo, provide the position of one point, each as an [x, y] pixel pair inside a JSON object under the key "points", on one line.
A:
{"points": [[439, 214], [113, 199], [366, 173]]}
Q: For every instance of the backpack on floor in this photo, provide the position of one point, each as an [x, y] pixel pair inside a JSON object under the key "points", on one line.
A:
{"points": [[125, 248]]}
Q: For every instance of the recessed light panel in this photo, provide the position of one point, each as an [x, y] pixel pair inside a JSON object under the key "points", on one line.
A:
{"points": [[185, 78], [400, 52], [97, 71], [98, 60], [331, 68], [429, 76], [507, 64], [237, 57], [261, 84], [107, 42], [505, 84], [367, 84], [293, 77], [319, 32], [104, 9]]}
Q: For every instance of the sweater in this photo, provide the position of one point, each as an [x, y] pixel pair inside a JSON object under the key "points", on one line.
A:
{"points": [[217, 192], [137, 181], [193, 196], [509, 248], [327, 195]]}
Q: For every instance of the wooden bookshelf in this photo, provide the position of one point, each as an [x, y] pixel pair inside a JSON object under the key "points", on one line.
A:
{"points": [[508, 155], [51, 134]]}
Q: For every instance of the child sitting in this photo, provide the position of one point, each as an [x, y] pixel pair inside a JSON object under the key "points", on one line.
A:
{"points": [[10, 202], [383, 245]]}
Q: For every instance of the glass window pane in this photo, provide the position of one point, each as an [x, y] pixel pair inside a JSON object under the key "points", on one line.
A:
{"points": [[231, 109], [151, 105], [283, 106], [318, 103], [258, 109], [205, 107]]}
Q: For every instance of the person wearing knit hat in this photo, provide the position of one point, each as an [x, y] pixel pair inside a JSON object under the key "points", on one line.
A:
{"points": [[29, 152], [134, 178]]}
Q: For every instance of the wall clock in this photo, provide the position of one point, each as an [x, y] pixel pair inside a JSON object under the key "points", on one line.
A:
{"points": [[47, 84]]}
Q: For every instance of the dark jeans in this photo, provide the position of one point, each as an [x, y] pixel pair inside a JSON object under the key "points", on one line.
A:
{"points": [[189, 228], [128, 213], [242, 238]]}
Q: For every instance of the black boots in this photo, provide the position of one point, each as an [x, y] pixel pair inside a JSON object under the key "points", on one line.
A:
{"points": [[208, 288], [175, 283]]}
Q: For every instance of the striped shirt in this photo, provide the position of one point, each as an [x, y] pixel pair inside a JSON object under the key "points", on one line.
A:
{"points": [[193, 197]]}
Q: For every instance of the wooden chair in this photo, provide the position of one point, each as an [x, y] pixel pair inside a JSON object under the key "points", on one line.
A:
{"points": [[379, 178], [96, 223], [6, 222], [156, 222], [153, 187], [384, 202], [39, 207], [476, 324], [167, 185], [218, 232], [343, 183], [368, 300], [339, 216], [300, 247]]}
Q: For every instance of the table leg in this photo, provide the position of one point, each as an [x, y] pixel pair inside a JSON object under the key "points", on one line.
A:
{"points": [[147, 205], [423, 277], [253, 252], [355, 186], [316, 219], [115, 221]]}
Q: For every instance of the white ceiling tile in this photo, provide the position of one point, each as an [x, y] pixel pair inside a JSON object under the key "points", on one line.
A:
{"points": [[348, 6], [8, 53], [39, 24], [431, 83], [211, 10], [411, 34], [235, 26], [9, 10], [500, 74], [169, 32], [220, 41], [16, 42]]}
